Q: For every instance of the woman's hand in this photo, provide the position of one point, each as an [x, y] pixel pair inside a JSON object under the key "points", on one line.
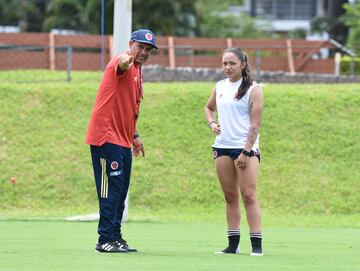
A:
{"points": [[215, 128], [242, 161]]}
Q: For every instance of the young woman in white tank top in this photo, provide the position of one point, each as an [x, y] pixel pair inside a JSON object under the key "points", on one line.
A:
{"points": [[238, 101]]}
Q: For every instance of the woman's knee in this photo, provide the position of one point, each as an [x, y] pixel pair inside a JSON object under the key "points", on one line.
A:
{"points": [[231, 197], [248, 197]]}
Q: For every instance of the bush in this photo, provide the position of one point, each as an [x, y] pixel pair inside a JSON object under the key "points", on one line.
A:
{"points": [[350, 65]]}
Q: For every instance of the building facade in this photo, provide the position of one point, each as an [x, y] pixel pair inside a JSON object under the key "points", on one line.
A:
{"points": [[281, 16]]}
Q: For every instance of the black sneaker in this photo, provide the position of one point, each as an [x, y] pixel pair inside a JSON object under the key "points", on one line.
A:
{"points": [[229, 250], [256, 244], [124, 245], [256, 251], [110, 247]]}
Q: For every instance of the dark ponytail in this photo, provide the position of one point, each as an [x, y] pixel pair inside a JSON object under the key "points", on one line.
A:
{"points": [[247, 79]]}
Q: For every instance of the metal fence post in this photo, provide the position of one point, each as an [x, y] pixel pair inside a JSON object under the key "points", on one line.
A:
{"points": [[352, 66], [337, 60], [258, 61], [69, 63]]}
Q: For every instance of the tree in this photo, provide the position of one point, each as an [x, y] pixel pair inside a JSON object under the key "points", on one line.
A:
{"points": [[231, 26], [331, 22], [351, 19], [216, 21], [66, 14], [78, 15], [166, 17], [22, 13]]}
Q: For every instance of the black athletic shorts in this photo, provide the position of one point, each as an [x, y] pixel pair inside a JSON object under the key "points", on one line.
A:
{"points": [[234, 153]]}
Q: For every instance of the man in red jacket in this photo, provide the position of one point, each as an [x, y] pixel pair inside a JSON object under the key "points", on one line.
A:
{"points": [[113, 138]]}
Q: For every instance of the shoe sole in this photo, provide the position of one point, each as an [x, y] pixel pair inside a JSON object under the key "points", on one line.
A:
{"points": [[221, 252], [98, 251], [257, 254]]}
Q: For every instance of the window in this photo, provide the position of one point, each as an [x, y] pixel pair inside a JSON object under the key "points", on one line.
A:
{"points": [[285, 9]]}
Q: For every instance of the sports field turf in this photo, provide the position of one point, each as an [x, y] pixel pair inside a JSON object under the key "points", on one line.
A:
{"points": [[56, 245], [308, 189]]}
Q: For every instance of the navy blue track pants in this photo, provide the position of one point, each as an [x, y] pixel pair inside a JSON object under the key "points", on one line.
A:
{"points": [[112, 169]]}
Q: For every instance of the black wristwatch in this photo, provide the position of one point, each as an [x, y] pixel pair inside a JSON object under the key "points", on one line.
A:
{"points": [[246, 153]]}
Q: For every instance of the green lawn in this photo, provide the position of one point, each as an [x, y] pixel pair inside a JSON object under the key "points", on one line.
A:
{"points": [[308, 184], [309, 143], [40, 245]]}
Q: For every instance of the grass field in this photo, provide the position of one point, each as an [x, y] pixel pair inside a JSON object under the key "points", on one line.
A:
{"points": [[37, 246], [308, 185], [309, 142]]}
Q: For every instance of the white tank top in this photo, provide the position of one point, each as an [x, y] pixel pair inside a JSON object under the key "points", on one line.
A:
{"points": [[233, 116]]}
